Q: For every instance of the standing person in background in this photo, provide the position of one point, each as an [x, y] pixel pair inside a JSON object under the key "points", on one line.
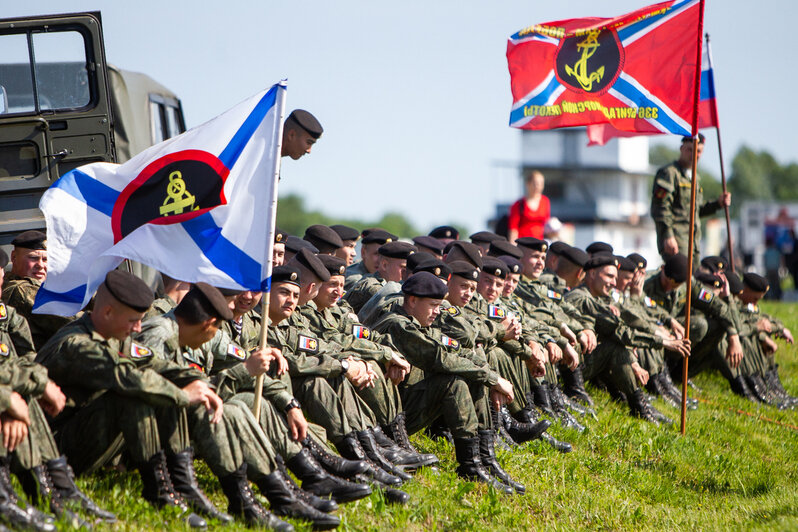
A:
{"points": [[529, 215]]}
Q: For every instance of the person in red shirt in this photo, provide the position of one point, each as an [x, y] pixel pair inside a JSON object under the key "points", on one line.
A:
{"points": [[528, 215]]}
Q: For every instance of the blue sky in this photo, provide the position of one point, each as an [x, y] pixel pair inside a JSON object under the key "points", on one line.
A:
{"points": [[414, 96]]}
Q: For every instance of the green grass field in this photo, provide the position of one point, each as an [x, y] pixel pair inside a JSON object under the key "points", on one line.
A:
{"points": [[730, 471]]}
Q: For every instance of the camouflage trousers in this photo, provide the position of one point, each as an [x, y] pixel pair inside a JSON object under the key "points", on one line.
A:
{"points": [[612, 361], [39, 445], [334, 404], [382, 399], [682, 233], [651, 360], [464, 405], [708, 351], [514, 370]]}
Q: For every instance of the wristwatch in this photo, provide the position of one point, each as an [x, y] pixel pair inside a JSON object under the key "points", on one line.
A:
{"points": [[292, 404], [344, 367]]}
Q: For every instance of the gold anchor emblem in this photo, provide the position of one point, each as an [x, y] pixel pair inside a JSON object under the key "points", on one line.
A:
{"points": [[178, 199], [579, 70]]}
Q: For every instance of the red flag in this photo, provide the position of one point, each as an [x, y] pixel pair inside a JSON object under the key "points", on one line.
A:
{"points": [[635, 72]]}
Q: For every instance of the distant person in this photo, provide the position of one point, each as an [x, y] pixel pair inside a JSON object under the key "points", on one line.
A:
{"points": [[528, 215], [670, 203], [772, 267]]}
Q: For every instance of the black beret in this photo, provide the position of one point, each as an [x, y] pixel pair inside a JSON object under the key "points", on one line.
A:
{"points": [[3, 259], [574, 255], [755, 282], [532, 243], [498, 248], [626, 265], [436, 267], [334, 265], [676, 268], [464, 269], [286, 274], [445, 231], [485, 237], [214, 299], [714, 263], [227, 292], [429, 242], [345, 232], [708, 279], [129, 290], [323, 238], [378, 236], [598, 247], [425, 284], [600, 260], [735, 283], [639, 260], [417, 259], [397, 250], [310, 261], [306, 121], [294, 244], [461, 250], [279, 236], [30, 240], [512, 263], [558, 247], [494, 266]]}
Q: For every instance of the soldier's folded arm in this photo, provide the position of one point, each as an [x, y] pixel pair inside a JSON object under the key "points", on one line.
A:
{"points": [[19, 331]]}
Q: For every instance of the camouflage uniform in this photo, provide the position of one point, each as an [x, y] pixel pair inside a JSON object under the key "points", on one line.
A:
{"points": [[363, 290], [670, 208], [20, 293], [160, 306], [354, 273], [552, 281], [446, 379]]}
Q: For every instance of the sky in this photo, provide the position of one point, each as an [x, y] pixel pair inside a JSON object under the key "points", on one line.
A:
{"points": [[415, 96]]}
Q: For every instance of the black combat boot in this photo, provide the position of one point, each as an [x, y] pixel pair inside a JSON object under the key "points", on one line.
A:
{"points": [[777, 388], [392, 495], [350, 448], [317, 481], [574, 385], [656, 387], [540, 393], [739, 387], [18, 518], [467, 452], [639, 406], [487, 455], [397, 431], [561, 446], [184, 480], [557, 400], [284, 503], [394, 453], [528, 414], [325, 505], [64, 482], [523, 432], [375, 454], [438, 430], [157, 489], [38, 485], [758, 390], [503, 438], [333, 463], [242, 503], [668, 385]]}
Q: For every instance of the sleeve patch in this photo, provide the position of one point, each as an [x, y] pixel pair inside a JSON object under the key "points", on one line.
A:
{"points": [[308, 344], [660, 193], [705, 295], [3, 312], [361, 331], [495, 311], [3, 350], [196, 366], [236, 352], [553, 294], [752, 308], [450, 342], [650, 302], [452, 310], [139, 351]]}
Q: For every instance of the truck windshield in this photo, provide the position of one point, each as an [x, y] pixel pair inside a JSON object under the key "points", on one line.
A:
{"points": [[43, 72]]}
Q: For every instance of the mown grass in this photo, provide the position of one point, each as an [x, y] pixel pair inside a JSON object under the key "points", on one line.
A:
{"points": [[729, 472]]}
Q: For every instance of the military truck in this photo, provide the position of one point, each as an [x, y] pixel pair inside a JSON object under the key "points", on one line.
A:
{"points": [[63, 106]]}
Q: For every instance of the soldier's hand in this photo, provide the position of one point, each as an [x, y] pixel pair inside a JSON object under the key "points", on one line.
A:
{"points": [[297, 424], [641, 375], [769, 345], [358, 373], [587, 339], [259, 361], [554, 351], [14, 431], [281, 362], [504, 388], [53, 400], [570, 357], [787, 335], [200, 393], [397, 369], [677, 328], [734, 352], [763, 325], [615, 310], [537, 364], [725, 199], [537, 350], [568, 334], [19, 408], [670, 247], [679, 346]]}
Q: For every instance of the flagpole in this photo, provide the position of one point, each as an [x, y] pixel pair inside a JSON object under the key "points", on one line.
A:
{"points": [[691, 244], [729, 245], [277, 142]]}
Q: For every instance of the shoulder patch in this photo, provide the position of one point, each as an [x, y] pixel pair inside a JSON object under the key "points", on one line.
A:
{"points": [[616, 295], [553, 294], [450, 342], [452, 310], [752, 308], [236, 352], [649, 302], [139, 351], [361, 331], [196, 366], [3, 311], [660, 192], [495, 311], [306, 343], [4, 350], [705, 295]]}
